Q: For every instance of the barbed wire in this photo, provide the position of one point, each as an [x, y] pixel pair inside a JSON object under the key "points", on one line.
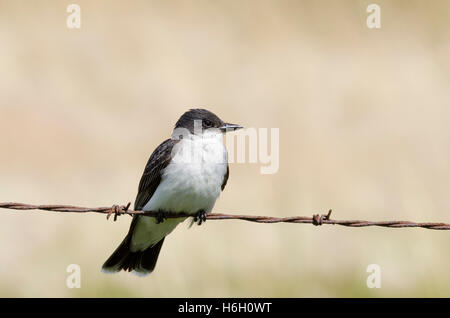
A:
{"points": [[316, 219]]}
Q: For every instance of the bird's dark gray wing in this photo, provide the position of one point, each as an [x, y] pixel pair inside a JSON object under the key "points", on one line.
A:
{"points": [[225, 177], [151, 178], [142, 261]]}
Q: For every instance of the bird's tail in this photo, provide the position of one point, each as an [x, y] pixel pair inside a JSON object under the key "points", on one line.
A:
{"points": [[141, 262]]}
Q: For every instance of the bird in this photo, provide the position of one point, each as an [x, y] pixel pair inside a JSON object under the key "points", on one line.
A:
{"points": [[185, 174]]}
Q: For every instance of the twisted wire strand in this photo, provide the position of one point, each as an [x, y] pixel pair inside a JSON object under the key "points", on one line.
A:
{"points": [[316, 219]]}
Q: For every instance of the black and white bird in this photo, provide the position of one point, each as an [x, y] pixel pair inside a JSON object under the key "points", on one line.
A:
{"points": [[185, 174]]}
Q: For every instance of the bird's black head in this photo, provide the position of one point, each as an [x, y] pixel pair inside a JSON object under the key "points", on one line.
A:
{"points": [[204, 119]]}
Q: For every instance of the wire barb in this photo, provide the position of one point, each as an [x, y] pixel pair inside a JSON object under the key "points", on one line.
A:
{"points": [[117, 210], [316, 219]]}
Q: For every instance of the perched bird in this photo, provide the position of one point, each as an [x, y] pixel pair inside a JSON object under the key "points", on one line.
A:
{"points": [[185, 174]]}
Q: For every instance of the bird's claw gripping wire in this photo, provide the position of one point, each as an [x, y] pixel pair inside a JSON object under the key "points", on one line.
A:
{"points": [[318, 219], [118, 210], [160, 217], [200, 216]]}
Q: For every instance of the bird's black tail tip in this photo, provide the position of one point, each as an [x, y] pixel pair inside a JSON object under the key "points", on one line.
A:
{"points": [[140, 263]]}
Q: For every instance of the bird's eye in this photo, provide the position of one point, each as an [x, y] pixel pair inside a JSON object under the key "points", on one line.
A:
{"points": [[207, 123]]}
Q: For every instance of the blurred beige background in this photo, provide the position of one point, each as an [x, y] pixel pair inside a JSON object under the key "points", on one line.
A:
{"points": [[363, 117]]}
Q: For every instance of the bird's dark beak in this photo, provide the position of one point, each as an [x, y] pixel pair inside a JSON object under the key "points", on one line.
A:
{"points": [[230, 127]]}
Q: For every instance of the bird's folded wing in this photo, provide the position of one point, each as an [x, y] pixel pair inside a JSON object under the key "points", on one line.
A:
{"points": [[151, 177]]}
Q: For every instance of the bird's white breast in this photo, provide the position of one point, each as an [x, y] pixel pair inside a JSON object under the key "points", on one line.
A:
{"points": [[191, 182]]}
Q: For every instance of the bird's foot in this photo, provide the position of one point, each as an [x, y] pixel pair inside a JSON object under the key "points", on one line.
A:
{"points": [[200, 217], [160, 217]]}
